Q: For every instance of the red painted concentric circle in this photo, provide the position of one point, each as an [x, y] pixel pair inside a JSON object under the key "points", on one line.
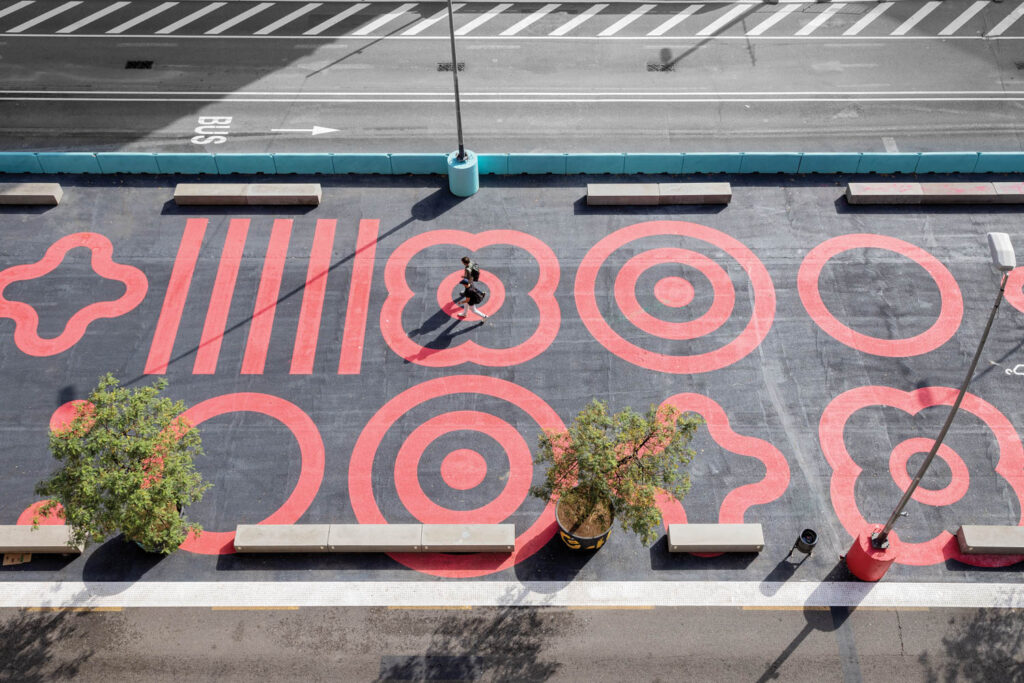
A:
{"points": [[960, 480], [674, 292], [463, 469]]}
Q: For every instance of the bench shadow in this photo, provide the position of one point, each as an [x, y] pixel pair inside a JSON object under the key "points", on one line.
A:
{"points": [[581, 208]]}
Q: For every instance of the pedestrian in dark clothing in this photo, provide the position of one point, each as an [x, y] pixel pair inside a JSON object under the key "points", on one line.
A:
{"points": [[471, 297], [470, 271]]}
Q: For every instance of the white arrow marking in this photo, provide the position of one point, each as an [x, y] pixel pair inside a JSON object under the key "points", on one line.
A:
{"points": [[315, 130]]}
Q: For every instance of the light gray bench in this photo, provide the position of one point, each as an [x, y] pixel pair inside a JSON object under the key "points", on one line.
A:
{"points": [[282, 538], [375, 538], [935, 193], [977, 539], [694, 193], [46, 539], [623, 194], [32, 194], [469, 538], [715, 538], [251, 194]]}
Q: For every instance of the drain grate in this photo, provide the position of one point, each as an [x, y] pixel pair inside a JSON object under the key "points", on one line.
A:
{"points": [[447, 66], [659, 67], [138, 64]]}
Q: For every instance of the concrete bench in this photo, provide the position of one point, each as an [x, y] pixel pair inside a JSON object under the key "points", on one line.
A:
{"points": [[935, 193], [469, 538], [958, 193], [1009, 193], [694, 193], [375, 538], [251, 194], [623, 194], [34, 194], [976, 539], [47, 539], [282, 538], [715, 538], [883, 193]]}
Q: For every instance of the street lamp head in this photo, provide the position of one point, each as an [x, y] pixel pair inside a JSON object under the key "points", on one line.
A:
{"points": [[1001, 248]]}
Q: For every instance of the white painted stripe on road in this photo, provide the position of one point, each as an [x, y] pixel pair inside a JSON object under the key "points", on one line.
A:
{"points": [[15, 7], [626, 20], [915, 18], [482, 19], [820, 19], [340, 16], [381, 21], [93, 17], [430, 21], [645, 93], [198, 14], [527, 21], [775, 18], [577, 20], [46, 15], [1006, 23], [143, 17], [289, 18], [967, 15], [868, 18], [677, 19], [724, 20], [234, 21]]}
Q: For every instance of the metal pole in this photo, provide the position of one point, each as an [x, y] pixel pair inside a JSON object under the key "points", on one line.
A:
{"points": [[455, 78], [881, 539]]}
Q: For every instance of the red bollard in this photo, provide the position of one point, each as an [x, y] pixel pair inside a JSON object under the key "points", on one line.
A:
{"points": [[867, 562]]}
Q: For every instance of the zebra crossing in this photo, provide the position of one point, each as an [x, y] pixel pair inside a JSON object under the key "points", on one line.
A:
{"points": [[711, 19]]}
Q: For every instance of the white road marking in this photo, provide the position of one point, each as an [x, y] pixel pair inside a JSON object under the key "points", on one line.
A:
{"points": [[626, 20], [724, 20], [482, 19], [864, 21], [192, 17], [381, 21], [93, 17], [915, 18], [776, 17], [43, 17], [523, 23], [15, 7], [577, 20], [820, 19], [142, 17], [1006, 23], [289, 18], [967, 15], [234, 21], [677, 19], [430, 21], [890, 145], [340, 16]]}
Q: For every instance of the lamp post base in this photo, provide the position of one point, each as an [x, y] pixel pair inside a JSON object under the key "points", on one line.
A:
{"points": [[463, 176], [867, 562]]}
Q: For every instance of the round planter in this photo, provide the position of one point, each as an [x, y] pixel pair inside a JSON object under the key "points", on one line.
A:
{"points": [[574, 540]]}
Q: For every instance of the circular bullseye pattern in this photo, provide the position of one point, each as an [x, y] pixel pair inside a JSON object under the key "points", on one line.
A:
{"points": [[463, 469], [674, 292], [492, 285], [960, 480]]}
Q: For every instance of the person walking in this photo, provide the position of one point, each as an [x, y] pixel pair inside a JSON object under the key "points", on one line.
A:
{"points": [[470, 270], [471, 298]]}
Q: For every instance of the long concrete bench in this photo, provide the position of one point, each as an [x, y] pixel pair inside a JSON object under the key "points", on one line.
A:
{"points": [[694, 193], [715, 538], [282, 538], [251, 194], [977, 539], [375, 538], [47, 539], [655, 194], [469, 538], [935, 193], [33, 194]]}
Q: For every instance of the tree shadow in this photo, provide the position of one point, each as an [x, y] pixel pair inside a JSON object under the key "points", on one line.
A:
{"points": [[987, 646], [28, 641], [119, 560]]}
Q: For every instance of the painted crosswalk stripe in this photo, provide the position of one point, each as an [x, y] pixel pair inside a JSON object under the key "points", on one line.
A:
{"points": [[431, 20], [820, 19], [1006, 23], [234, 21], [386, 19], [92, 17], [142, 17], [190, 18], [915, 19], [677, 19], [526, 21], [15, 7], [723, 21], [626, 20], [577, 20], [43, 17], [868, 18], [967, 15], [289, 18], [483, 19], [775, 18], [340, 16]]}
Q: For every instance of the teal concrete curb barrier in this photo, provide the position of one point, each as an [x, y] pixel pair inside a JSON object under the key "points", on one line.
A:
{"points": [[595, 164], [947, 162], [419, 164], [188, 164], [711, 163], [68, 162], [246, 164], [536, 164], [463, 176], [306, 164], [653, 163], [770, 162], [1000, 162], [884, 162], [19, 162], [493, 164], [362, 163], [127, 162], [829, 163]]}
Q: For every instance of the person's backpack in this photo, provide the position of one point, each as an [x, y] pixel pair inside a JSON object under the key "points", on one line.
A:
{"points": [[474, 271], [474, 295]]}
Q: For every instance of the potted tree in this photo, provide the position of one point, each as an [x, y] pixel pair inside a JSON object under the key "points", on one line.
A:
{"points": [[126, 465], [606, 466]]}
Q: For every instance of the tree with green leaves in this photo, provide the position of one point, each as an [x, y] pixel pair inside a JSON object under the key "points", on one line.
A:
{"points": [[618, 463], [126, 466]]}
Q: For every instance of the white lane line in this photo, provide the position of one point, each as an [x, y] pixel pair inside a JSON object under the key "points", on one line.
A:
{"points": [[915, 18], [644, 93], [577, 20], [776, 17], [867, 19], [92, 17], [381, 21], [234, 21], [820, 19], [340, 16], [523, 23], [482, 19], [43, 17], [15, 7], [289, 18], [967, 15], [724, 20], [143, 17], [430, 21], [515, 98], [190, 18], [626, 20], [677, 19], [1006, 23]]}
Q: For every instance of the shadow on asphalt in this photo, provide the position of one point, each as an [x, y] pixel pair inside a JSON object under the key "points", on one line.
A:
{"points": [[29, 640], [662, 559], [118, 560], [987, 645]]}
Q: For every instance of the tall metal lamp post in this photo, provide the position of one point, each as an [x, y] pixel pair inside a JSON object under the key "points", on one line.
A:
{"points": [[870, 556], [463, 174]]}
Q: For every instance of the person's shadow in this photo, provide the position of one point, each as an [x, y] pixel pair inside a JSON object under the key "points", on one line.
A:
{"points": [[444, 338]]}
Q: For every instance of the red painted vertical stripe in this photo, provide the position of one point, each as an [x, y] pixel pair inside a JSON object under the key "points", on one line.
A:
{"points": [[174, 300], [351, 360], [266, 299], [220, 298], [308, 329]]}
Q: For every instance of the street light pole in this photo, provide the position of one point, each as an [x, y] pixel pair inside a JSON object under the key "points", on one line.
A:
{"points": [[455, 78]]}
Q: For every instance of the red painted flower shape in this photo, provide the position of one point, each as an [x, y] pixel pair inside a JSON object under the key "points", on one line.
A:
{"points": [[1015, 289], [25, 318]]}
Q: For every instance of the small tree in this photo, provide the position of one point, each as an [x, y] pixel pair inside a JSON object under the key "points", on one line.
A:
{"points": [[619, 461], [126, 465]]}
